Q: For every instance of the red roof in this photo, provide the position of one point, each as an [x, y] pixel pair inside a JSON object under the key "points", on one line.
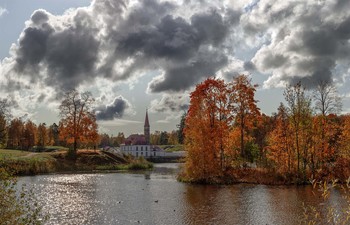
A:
{"points": [[135, 139]]}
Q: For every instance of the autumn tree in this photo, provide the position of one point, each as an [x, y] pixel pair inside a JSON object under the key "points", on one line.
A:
{"points": [[300, 112], [105, 140], [327, 101], [78, 121], [155, 138], [207, 130], [119, 139], [29, 135], [15, 133], [4, 116], [42, 136], [280, 149], [244, 107], [53, 135], [3, 131], [173, 138], [345, 137]]}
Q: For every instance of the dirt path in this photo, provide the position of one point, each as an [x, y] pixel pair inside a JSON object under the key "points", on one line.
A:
{"points": [[29, 155]]}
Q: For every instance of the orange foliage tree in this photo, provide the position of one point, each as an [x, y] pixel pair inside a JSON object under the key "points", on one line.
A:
{"points": [[345, 137], [300, 114], [207, 131], [280, 150], [42, 136], [78, 121], [244, 107], [15, 133], [28, 140]]}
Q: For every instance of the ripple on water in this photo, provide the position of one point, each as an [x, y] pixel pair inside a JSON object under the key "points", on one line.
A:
{"points": [[157, 198]]}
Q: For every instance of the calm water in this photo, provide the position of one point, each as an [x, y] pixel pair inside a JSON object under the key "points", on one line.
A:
{"points": [[157, 198]]}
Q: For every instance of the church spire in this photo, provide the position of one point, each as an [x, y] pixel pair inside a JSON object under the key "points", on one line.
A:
{"points": [[147, 129]]}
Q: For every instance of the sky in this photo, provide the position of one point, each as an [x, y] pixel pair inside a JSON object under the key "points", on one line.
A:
{"points": [[137, 55]]}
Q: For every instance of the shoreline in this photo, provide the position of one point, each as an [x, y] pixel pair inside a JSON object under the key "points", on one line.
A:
{"points": [[21, 163]]}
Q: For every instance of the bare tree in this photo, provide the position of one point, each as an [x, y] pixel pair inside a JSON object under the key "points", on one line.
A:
{"points": [[326, 98]]}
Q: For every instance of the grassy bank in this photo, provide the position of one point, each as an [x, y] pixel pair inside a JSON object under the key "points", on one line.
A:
{"points": [[30, 163], [172, 148]]}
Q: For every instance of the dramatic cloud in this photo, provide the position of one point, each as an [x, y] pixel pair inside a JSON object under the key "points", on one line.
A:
{"points": [[301, 40], [184, 42], [114, 110], [117, 40], [170, 103]]}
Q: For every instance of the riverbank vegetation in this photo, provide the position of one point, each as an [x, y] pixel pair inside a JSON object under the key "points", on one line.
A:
{"points": [[329, 214], [31, 163], [229, 140], [18, 206]]}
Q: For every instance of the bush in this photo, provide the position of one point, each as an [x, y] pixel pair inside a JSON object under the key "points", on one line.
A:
{"points": [[329, 215], [16, 208]]}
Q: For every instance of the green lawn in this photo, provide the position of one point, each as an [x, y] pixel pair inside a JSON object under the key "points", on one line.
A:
{"points": [[26, 163], [172, 148], [6, 153]]}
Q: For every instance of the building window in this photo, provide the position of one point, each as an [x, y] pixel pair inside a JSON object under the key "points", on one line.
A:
{"points": [[137, 148], [137, 154], [141, 153], [154, 153], [146, 148], [146, 154], [141, 148]]}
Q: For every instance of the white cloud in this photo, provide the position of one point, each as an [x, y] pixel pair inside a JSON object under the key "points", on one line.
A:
{"points": [[3, 11]]}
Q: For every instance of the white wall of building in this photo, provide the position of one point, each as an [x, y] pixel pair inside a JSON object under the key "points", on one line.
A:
{"points": [[147, 151]]}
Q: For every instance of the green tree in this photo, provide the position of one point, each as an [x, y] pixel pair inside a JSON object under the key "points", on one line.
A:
{"points": [[164, 137], [181, 126]]}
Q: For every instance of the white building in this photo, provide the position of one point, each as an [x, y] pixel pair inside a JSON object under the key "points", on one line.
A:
{"points": [[139, 145]]}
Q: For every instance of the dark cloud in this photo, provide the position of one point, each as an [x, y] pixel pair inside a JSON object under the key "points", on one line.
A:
{"points": [[114, 40], [170, 103], [68, 54], [249, 66], [41, 98], [181, 77], [114, 110]]}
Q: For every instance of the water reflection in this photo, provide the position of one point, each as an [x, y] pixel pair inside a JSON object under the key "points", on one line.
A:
{"points": [[157, 198]]}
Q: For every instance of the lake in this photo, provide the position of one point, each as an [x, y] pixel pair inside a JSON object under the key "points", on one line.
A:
{"points": [[155, 197]]}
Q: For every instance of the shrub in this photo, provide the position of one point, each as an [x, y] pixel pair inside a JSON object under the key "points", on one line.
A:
{"points": [[328, 215], [17, 208]]}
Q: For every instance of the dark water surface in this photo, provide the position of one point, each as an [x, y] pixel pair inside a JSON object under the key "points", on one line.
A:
{"points": [[157, 198]]}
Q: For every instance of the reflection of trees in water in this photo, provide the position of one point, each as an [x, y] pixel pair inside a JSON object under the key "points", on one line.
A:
{"points": [[249, 204], [201, 204]]}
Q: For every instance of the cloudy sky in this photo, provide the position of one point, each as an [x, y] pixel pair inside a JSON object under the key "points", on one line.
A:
{"points": [[134, 55]]}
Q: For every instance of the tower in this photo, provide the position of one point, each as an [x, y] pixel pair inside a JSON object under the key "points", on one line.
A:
{"points": [[146, 130]]}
